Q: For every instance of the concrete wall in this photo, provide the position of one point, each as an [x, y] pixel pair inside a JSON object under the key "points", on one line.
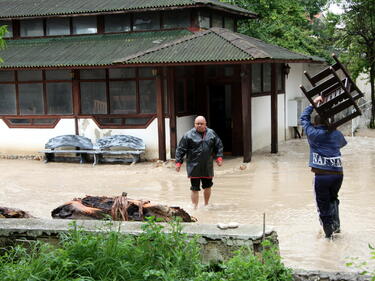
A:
{"points": [[184, 124], [217, 244]]}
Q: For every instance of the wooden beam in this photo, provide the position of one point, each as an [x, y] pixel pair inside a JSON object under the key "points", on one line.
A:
{"points": [[172, 111], [76, 98], [274, 119], [160, 114], [246, 111]]}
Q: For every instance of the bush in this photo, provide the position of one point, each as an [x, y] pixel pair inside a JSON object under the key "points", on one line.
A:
{"points": [[153, 255]]}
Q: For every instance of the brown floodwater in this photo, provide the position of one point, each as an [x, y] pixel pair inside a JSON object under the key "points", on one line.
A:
{"points": [[278, 185]]}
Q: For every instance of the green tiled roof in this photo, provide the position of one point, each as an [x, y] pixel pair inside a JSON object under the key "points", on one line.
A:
{"points": [[94, 50], [214, 45], [162, 47], [35, 8]]}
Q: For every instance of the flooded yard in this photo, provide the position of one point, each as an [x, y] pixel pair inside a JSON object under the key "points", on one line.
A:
{"points": [[278, 185]]}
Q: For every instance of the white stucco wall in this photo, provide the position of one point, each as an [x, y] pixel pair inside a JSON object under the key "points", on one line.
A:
{"points": [[281, 118], [293, 91], [184, 124], [261, 121], [89, 129], [363, 84], [29, 141]]}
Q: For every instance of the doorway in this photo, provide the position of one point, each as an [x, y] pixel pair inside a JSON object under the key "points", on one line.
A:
{"points": [[225, 116]]}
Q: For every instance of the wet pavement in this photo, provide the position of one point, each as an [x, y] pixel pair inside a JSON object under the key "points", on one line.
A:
{"points": [[279, 185]]}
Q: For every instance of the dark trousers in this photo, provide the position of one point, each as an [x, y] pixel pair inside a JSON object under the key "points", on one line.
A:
{"points": [[327, 187]]}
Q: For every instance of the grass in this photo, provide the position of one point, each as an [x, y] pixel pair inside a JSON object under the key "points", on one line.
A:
{"points": [[153, 255]]}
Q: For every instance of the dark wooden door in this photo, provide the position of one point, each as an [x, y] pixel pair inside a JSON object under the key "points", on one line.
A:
{"points": [[225, 116]]}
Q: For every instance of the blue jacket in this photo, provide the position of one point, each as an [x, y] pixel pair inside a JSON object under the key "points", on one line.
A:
{"points": [[324, 144]]}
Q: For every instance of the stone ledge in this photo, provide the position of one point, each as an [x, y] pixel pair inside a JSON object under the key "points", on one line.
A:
{"points": [[217, 244], [316, 275]]}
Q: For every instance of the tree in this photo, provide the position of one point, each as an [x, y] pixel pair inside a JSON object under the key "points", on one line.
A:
{"points": [[3, 30], [358, 41], [286, 23]]}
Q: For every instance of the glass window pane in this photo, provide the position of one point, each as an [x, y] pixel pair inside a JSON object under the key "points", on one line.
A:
{"points": [[59, 98], [20, 121], [136, 121], [29, 75], [32, 27], [93, 98], [204, 19], [147, 93], [229, 23], [44, 121], [92, 74], [57, 26], [176, 19], [31, 99], [180, 87], [123, 97], [121, 73], [267, 77], [256, 73], [9, 25], [84, 25], [147, 72], [217, 20], [146, 21], [6, 76], [116, 23], [110, 121], [58, 75], [7, 99]]}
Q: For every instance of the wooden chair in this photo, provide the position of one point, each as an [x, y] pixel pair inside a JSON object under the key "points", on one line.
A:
{"points": [[100, 107], [339, 93]]}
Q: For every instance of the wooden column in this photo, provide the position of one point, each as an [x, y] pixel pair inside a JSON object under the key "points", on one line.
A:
{"points": [[274, 119], [76, 99], [160, 114], [246, 111], [172, 111]]}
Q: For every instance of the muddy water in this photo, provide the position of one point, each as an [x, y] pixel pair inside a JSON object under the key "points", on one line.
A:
{"points": [[278, 185]]}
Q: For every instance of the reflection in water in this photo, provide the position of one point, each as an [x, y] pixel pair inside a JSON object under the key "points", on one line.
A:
{"points": [[278, 185]]}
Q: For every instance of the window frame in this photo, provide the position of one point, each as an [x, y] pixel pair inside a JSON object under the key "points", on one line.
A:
{"points": [[268, 93]]}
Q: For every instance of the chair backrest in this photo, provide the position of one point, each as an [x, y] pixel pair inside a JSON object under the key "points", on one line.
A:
{"points": [[100, 107]]}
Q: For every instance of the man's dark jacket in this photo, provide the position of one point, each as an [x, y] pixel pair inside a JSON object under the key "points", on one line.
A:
{"points": [[200, 150]]}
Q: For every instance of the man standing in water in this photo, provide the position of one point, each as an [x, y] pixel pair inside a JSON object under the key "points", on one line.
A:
{"points": [[325, 162], [200, 145]]}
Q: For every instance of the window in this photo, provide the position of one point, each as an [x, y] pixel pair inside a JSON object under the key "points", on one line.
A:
{"points": [[84, 25], [9, 25], [31, 28], [185, 89], [8, 99], [59, 98], [31, 99], [117, 23], [123, 97], [229, 23], [217, 20], [147, 93], [146, 21], [34, 95], [204, 19], [57, 26], [262, 80], [176, 19], [93, 98]]}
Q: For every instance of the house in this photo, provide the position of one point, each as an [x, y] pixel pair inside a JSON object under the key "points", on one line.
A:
{"points": [[143, 68]]}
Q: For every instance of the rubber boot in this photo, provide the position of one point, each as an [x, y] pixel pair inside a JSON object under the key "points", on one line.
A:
{"points": [[328, 230], [335, 217]]}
